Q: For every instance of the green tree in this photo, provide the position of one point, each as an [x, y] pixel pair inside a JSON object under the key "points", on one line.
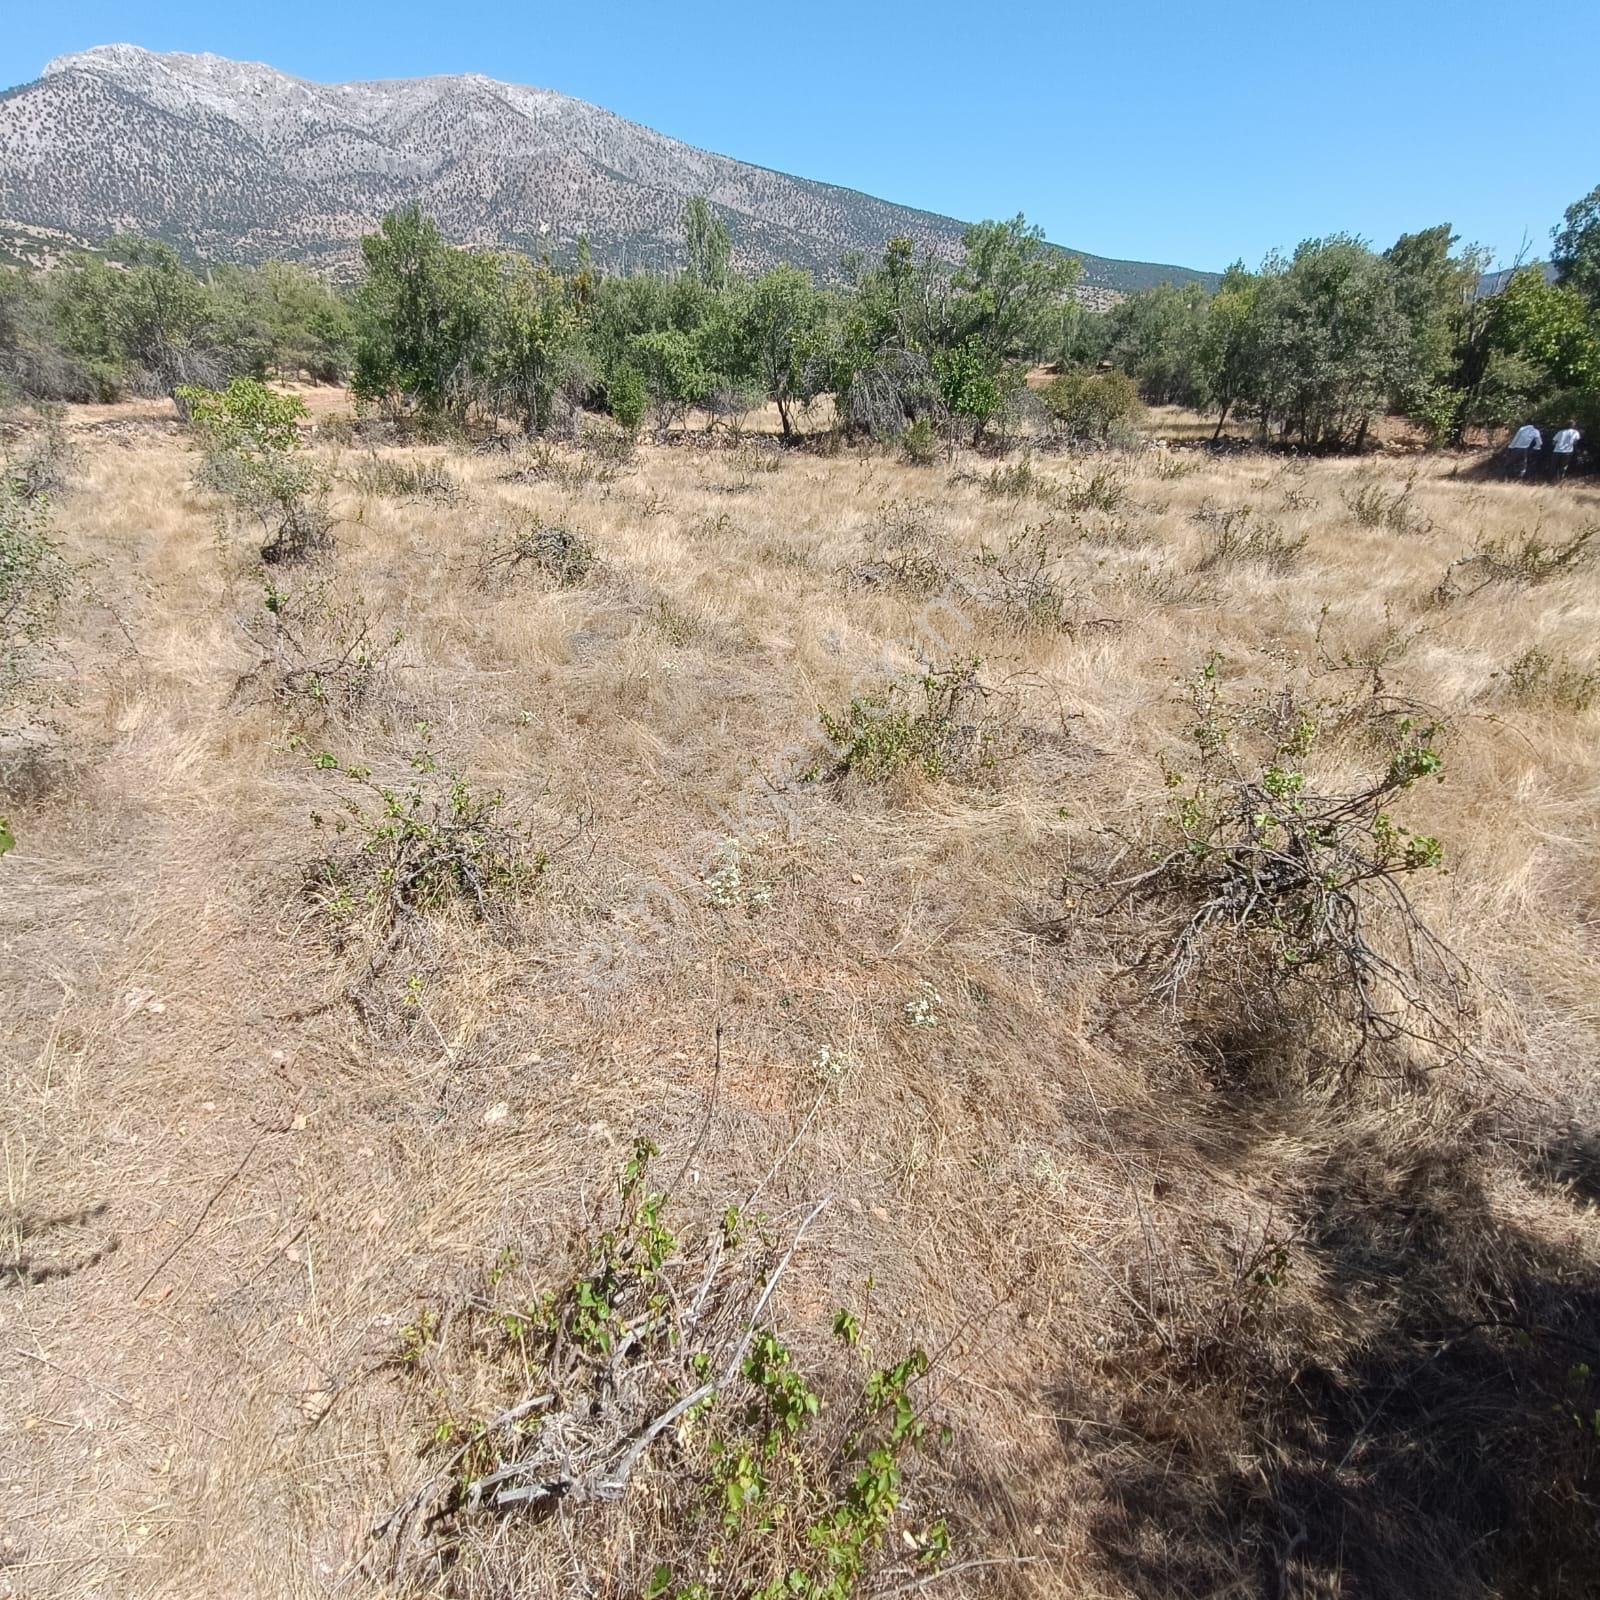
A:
{"points": [[783, 323], [710, 250], [1576, 250], [1007, 289], [1228, 361], [421, 316], [532, 341]]}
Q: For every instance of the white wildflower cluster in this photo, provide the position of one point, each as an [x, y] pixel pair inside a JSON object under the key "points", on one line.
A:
{"points": [[922, 1009], [725, 883], [831, 1065]]}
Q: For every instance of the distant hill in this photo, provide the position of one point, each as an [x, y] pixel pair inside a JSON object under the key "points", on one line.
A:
{"points": [[234, 161]]}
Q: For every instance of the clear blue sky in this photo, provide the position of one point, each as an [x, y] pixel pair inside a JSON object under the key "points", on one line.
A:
{"points": [[1176, 132]]}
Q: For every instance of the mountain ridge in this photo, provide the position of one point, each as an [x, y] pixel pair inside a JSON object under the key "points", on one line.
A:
{"points": [[236, 161]]}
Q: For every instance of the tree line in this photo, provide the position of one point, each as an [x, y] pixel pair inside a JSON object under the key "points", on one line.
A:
{"points": [[1310, 347], [1314, 345]]}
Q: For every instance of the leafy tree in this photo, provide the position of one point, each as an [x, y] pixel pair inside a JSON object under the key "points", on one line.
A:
{"points": [[1156, 337], [1548, 325], [1228, 361], [1335, 344], [532, 340], [420, 316], [710, 250], [972, 383], [1008, 286], [783, 323], [145, 319], [1576, 251]]}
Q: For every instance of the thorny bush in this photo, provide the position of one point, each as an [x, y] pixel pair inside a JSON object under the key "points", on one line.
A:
{"points": [[1262, 888], [776, 1479], [415, 847], [319, 654]]}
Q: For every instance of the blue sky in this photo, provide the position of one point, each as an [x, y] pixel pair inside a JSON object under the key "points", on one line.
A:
{"points": [[1182, 133]]}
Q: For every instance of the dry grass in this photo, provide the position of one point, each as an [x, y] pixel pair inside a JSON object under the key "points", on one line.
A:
{"points": [[1205, 1325]]}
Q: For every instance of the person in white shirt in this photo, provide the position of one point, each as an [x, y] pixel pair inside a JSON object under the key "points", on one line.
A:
{"points": [[1524, 442], [1561, 449]]}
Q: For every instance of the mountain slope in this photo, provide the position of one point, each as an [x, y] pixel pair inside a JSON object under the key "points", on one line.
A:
{"points": [[234, 161]]}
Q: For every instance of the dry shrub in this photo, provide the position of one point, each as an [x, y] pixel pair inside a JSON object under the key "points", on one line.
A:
{"points": [[649, 1390], [1374, 506], [905, 551], [1528, 559], [323, 655], [564, 556], [1538, 678], [1027, 583], [410, 848], [1238, 535]]}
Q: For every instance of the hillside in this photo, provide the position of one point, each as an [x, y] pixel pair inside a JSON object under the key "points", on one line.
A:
{"points": [[234, 161]]}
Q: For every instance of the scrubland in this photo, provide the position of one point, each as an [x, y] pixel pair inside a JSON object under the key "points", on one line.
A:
{"points": [[1220, 1294]]}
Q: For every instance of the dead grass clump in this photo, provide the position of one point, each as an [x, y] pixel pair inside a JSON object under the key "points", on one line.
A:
{"points": [[406, 480], [1374, 506], [321, 655], [565, 556], [652, 1380], [1239, 536]]}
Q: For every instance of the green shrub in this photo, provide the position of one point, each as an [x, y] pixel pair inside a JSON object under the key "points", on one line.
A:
{"points": [[627, 399], [920, 443], [1090, 407], [949, 733], [414, 848], [785, 1480], [251, 439]]}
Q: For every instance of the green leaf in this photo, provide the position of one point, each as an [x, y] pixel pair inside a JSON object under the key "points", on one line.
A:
{"points": [[8, 840], [660, 1582]]}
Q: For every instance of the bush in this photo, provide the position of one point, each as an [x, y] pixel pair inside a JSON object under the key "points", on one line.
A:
{"points": [[1265, 888], [1239, 535], [1373, 506], [251, 439], [35, 582], [626, 399], [920, 443], [780, 1478], [1538, 678], [415, 848], [564, 555], [949, 734], [1091, 407], [405, 480], [319, 655]]}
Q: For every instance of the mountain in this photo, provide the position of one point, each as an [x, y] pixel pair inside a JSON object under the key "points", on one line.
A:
{"points": [[234, 161]]}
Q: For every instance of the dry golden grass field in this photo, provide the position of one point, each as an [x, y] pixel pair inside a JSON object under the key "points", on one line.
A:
{"points": [[1215, 1302]]}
